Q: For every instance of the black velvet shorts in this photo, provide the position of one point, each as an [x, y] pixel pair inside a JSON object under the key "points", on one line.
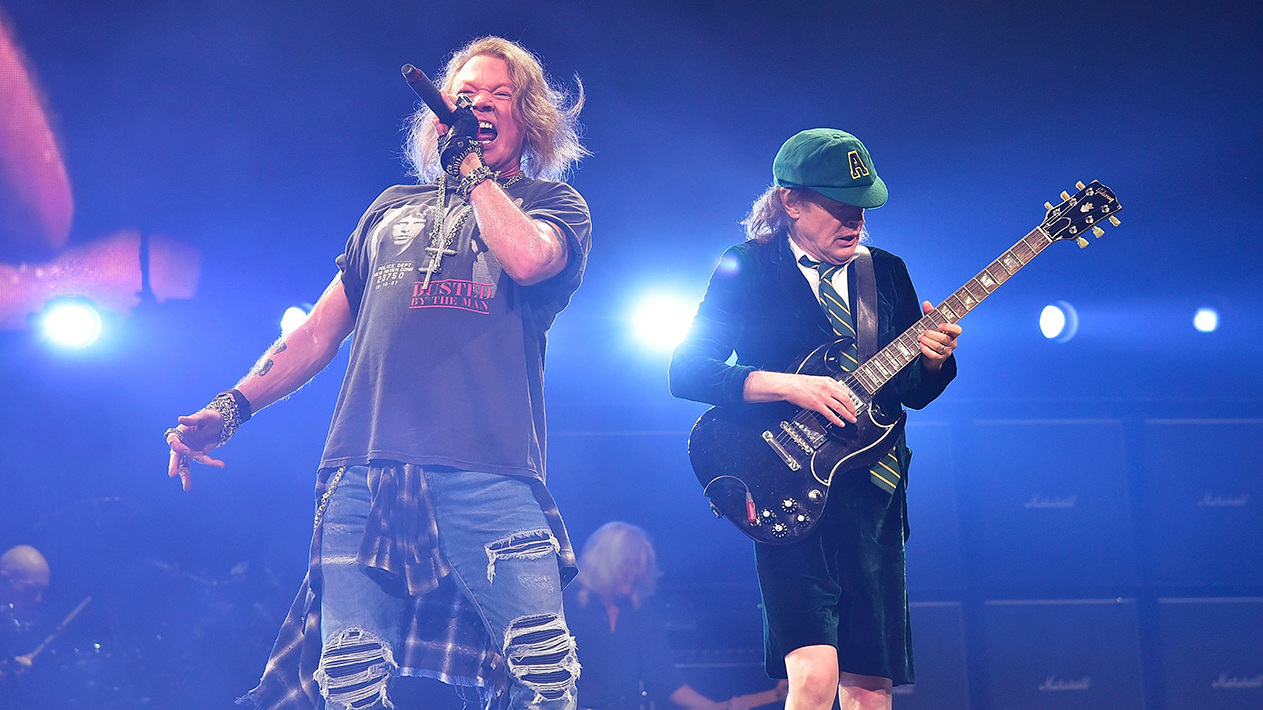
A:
{"points": [[844, 585]]}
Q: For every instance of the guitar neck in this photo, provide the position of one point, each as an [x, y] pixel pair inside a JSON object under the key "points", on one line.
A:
{"points": [[887, 362]]}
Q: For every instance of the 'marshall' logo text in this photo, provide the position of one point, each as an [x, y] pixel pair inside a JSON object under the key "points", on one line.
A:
{"points": [[1210, 500], [1052, 683], [1038, 501], [1227, 681]]}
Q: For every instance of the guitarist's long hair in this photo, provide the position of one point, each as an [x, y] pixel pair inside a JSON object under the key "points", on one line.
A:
{"points": [[767, 216], [618, 554]]}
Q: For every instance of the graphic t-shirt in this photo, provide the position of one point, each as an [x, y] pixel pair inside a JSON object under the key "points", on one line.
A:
{"points": [[447, 360]]}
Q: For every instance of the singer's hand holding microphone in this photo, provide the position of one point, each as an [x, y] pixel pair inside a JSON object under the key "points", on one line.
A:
{"points": [[460, 140]]}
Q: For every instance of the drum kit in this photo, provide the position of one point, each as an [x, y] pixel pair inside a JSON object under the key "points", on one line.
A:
{"points": [[146, 632], [67, 669]]}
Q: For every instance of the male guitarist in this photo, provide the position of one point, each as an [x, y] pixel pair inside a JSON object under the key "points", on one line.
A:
{"points": [[835, 601]]}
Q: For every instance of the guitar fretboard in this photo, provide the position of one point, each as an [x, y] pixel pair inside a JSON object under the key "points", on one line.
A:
{"points": [[887, 362], [1070, 219]]}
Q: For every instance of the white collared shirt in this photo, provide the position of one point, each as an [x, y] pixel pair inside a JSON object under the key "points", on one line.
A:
{"points": [[839, 279]]}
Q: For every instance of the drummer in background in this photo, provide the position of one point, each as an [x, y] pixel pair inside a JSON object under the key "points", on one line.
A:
{"points": [[24, 577]]}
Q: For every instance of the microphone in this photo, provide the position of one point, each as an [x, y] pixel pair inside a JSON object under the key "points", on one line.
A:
{"points": [[430, 94]]}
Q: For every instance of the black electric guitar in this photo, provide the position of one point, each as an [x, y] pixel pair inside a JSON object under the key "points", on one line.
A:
{"points": [[767, 467]]}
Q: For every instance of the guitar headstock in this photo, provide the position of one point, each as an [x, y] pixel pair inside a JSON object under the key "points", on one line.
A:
{"points": [[1081, 212]]}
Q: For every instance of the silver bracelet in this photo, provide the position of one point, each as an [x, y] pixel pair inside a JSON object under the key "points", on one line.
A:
{"points": [[226, 405], [473, 179]]}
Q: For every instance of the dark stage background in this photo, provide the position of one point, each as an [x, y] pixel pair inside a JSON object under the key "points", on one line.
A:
{"points": [[1085, 516]]}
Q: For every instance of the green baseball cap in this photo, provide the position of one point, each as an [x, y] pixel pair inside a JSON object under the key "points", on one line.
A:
{"points": [[833, 163]]}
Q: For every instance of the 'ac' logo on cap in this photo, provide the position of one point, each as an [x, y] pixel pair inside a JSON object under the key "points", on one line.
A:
{"points": [[858, 169]]}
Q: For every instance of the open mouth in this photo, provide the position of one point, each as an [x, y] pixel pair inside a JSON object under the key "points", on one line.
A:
{"points": [[486, 132]]}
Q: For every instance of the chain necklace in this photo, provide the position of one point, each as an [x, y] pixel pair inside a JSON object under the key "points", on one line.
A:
{"points": [[440, 235]]}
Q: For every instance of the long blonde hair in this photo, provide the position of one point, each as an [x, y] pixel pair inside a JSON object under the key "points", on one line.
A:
{"points": [[618, 553], [551, 129]]}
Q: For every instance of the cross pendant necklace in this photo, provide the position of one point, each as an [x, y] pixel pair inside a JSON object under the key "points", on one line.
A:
{"points": [[440, 235], [437, 250]]}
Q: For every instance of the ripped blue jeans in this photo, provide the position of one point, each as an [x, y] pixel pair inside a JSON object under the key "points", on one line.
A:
{"points": [[503, 556]]}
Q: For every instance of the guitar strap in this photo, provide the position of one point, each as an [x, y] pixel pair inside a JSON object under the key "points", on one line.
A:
{"points": [[866, 308], [866, 347]]}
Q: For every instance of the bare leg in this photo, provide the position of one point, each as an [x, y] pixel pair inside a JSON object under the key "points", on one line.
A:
{"points": [[813, 677], [864, 692]]}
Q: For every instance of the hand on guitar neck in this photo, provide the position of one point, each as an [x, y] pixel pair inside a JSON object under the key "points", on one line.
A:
{"points": [[757, 700], [767, 468], [829, 397], [686, 697], [938, 343]]}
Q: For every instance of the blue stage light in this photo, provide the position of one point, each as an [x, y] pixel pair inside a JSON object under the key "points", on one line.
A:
{"points": [[1059, 322], [71, 323], [660, 322], [1206, 320], [293, 317]]}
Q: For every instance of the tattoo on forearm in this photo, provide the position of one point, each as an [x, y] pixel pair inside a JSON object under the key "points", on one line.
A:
{"points": [[264, 365]]}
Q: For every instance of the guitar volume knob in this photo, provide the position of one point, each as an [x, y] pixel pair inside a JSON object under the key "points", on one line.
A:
{"points": [[789, 504]]}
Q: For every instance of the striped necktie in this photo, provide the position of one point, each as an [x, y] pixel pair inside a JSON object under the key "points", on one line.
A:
{"points": [[884, 474]]}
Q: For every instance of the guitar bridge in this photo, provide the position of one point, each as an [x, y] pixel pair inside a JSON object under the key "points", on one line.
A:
{"points": [[797, 437], [780, 451]]}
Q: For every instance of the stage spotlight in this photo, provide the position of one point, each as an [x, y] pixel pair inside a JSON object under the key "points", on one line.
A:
{"points": [[71, 323], [661, 322], [294, 317], [1206, 320], [1059, 322]]}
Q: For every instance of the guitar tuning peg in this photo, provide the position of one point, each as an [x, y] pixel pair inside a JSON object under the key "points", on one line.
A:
{"points": [[1048, 206], [1082, 242], [1114, 221], [1065, 195], [1097, 232], [1079, 185]]}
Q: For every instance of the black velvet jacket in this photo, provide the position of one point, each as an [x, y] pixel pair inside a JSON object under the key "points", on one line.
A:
{"points": [[759, 305]]}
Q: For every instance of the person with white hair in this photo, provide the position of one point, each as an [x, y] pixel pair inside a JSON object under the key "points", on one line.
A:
{"points": [[623, 647]]}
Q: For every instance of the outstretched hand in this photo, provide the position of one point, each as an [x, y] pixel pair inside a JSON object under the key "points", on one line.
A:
{"points": [[193, 440]]}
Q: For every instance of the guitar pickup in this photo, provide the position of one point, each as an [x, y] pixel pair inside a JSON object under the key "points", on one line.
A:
{"points": [[781, 451]]}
